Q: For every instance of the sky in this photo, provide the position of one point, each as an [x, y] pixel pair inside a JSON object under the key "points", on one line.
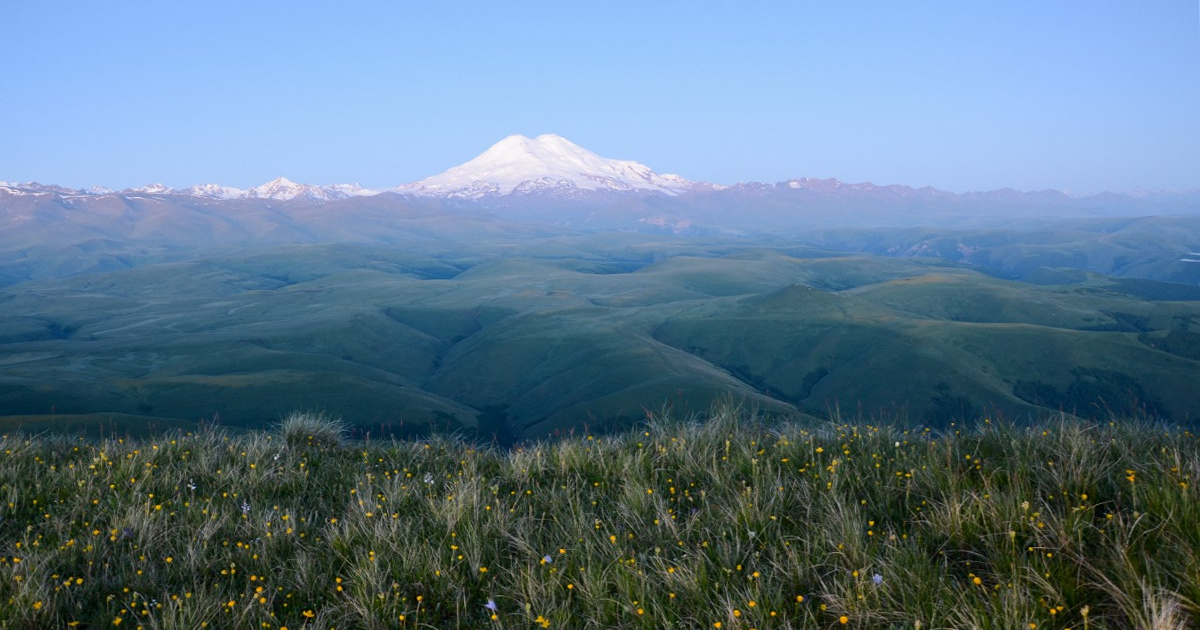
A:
{"points": [[962, 96]]}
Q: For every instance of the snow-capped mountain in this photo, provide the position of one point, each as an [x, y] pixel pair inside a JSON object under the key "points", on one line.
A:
{"points": [[153, 189], [34, 188], [550, 167], [214, 191], [281, 188], [284, 189], [547, 163], [515, 165]]}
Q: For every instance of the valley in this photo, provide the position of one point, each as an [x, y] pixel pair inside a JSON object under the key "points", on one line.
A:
{"points": [[526, 339]]}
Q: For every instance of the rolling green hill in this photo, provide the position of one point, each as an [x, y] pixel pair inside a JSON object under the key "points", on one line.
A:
{"points": [[514, 338]]}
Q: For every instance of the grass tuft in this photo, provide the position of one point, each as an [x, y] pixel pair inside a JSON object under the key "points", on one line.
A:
{"points": [[303, 429]]}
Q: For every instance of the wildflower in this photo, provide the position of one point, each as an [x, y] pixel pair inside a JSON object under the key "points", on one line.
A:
{"points": [[877, 579], [491, 605], [843, 620], [546, 559]]}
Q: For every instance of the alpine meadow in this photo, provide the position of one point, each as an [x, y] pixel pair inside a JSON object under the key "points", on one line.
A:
{"points": [[681, 316], [597, 398]]}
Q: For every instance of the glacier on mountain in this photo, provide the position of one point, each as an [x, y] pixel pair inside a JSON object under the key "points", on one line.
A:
{"points": [[547, 163]]}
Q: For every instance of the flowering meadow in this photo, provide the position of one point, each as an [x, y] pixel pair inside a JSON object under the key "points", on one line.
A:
{"points": [[730, 522]]}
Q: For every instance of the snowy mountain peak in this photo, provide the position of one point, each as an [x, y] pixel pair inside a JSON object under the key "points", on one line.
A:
{"points": [[17, 189], [280, 189], [547, 163], [153, 189], [215, 191], [283, 189], [545, 147]]}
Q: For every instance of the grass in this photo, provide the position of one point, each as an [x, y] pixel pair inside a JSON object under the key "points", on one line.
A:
{"points": [[312, 429], [734, 522]]}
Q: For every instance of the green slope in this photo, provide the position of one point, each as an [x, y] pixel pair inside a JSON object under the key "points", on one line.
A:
{"points": [[543, 337]]}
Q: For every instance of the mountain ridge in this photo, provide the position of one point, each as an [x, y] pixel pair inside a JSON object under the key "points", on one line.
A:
{"points": [[552, 165]]}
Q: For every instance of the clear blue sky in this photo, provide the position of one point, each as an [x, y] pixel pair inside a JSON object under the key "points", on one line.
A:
{"points": [[1084, 96]]}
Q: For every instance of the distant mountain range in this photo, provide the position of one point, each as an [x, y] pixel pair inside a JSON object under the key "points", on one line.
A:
{"points": [[547, 185], [280, 189], [550, 165]]}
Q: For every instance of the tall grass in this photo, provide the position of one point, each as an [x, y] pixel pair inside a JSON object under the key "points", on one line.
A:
{"points": [[729, 523]]}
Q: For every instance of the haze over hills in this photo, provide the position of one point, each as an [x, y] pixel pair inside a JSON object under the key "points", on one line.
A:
{"points": [[539, 287], [547, 183]]}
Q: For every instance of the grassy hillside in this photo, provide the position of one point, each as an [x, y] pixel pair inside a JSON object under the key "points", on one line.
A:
{"points": [[733, 522], [549, 337]]}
